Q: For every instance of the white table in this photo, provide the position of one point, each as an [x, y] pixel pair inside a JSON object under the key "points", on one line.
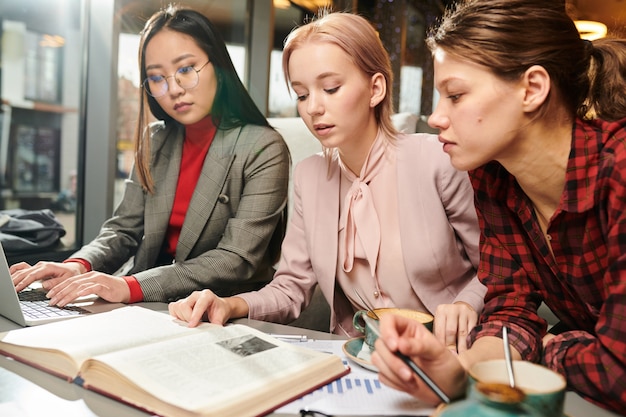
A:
{"points": [[28, 392]]}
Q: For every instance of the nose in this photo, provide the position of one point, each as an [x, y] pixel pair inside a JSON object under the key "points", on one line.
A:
{"points": [[437, 120], [314, 105], [173, 87]]}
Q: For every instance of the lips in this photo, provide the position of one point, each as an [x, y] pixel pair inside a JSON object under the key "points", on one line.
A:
{"points": [[447, 145], [179, 106], [322, 128]]}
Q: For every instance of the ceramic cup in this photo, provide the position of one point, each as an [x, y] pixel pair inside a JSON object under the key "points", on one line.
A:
{"points": [[544, 389], [370, 337], [489, 399]]}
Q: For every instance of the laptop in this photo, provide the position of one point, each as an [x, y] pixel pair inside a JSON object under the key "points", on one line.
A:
{"points": [[31, 308]]}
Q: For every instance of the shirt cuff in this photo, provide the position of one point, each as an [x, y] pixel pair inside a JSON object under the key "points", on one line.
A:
{"points": [[83, 262], [136, 294], [556, 350]]}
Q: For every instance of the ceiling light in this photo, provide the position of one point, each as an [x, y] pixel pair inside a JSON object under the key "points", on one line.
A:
{"points": [[282, 4], [313, 5], [591, 30], [52, 41]]}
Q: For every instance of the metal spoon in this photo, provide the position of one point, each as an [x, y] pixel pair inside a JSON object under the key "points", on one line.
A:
{"points": [[507, 356], [370, 309]]}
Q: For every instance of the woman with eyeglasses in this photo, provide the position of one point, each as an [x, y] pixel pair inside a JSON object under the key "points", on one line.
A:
{"points": [[205, 204]]}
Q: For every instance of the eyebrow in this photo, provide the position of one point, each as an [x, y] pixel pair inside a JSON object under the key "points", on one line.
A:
{"points": [[175, 61], [319, 77], [443, 83]]}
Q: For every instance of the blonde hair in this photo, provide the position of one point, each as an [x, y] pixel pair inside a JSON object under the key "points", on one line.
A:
{"points": [[358, 39]]}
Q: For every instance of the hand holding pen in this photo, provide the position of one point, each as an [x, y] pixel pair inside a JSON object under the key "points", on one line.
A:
{"points": [[436, 361], [374, 326]]}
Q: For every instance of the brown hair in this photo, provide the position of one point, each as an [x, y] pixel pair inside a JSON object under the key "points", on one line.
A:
{"points": [[510, 36], [357, 38]]}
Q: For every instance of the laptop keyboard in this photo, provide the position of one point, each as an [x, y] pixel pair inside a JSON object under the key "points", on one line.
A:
{"points": [[35, 305]]}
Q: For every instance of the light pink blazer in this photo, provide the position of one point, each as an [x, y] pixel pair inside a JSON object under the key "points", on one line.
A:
{"points": [[438, 227]]}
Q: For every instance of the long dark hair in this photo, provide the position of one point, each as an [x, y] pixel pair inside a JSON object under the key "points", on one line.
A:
{"points": [[232, 105], [510, 36]]}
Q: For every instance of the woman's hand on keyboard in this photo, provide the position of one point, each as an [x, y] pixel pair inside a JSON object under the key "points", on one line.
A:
{"points": [[49, 273], [108, 287]]}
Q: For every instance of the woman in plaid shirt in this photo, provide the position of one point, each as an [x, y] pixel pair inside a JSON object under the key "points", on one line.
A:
{"points": [[538, 118]]}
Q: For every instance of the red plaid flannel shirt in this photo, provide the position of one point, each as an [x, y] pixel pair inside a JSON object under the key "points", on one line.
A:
{"points": [[584, 284]]}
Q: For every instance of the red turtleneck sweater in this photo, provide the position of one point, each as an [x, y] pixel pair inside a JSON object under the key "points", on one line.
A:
{"points": [[198, 139]]}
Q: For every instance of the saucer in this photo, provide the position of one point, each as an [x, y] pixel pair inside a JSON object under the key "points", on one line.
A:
{"points": [[352, 348]]}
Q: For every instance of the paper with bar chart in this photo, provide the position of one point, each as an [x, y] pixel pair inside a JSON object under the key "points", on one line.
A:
{"points": [[359, 393]]}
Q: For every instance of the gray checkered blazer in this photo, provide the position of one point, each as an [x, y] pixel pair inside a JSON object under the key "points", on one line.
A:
{"points": [[233, 228]]}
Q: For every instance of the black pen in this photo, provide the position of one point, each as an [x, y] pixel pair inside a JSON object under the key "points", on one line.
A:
{"points": [[373, 325]]}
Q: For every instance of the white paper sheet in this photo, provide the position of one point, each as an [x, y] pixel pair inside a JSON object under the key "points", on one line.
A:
{"points": [[359, 393]]}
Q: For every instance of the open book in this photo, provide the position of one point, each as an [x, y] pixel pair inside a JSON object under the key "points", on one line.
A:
{"points": [[152, 361]]}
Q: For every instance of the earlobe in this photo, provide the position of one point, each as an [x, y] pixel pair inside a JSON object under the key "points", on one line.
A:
{"points": [[378, 88], [537, 84]]}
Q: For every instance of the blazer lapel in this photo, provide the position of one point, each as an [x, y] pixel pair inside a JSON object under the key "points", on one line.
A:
{"points": [[165, 176], [210, 183], [325, 243], [407, 179]]}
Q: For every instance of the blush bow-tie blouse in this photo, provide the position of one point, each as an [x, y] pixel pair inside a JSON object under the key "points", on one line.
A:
{"points": [[369, 232]]}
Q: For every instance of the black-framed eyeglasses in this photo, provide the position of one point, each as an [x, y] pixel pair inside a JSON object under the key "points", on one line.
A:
{"points": [[305, 412], [186, 77]]}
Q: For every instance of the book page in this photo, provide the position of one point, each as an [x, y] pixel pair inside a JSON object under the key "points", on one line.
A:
{"points": [[92, 335], [207, 370]]}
